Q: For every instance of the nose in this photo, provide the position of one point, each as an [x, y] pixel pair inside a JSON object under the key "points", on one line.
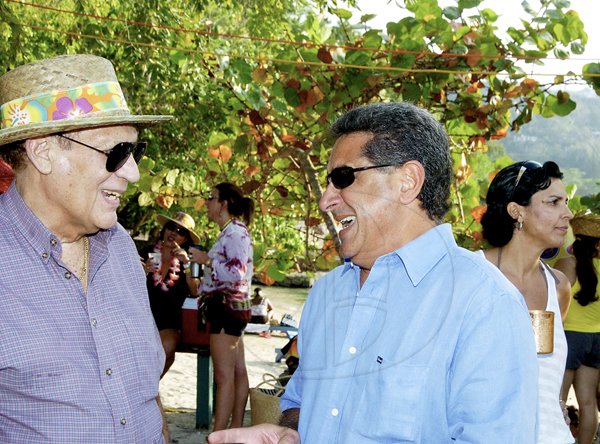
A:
{"points": [[129, 171], [569, 213], [329, 198]]}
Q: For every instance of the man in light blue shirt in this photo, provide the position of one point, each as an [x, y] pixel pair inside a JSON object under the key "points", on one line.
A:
{"points": [[413, 339]]}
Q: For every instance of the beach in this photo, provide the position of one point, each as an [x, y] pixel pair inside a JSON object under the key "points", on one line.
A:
{"points": [[178, 386]]}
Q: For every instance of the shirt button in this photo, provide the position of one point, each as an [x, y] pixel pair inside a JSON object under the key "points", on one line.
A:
{"points": [[68, 275], [335, 412], [94, 322], [53, 242], [352, 350], [123, 421], [108, 372], [44, 255]]}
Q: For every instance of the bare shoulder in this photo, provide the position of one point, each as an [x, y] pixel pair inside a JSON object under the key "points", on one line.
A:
{"points": [[566, 267], [563, 291]]}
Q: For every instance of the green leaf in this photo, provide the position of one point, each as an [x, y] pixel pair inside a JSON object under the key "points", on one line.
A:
{"points": [[344, 14], [451, 12], [275, 273], [467, 4], [187, 181], [145, 199], [367, 17], [489, 15], [591, 74], [171, 176], [577, 48]]}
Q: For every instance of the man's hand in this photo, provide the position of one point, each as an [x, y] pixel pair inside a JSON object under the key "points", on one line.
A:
{"points": [[259, 434]]}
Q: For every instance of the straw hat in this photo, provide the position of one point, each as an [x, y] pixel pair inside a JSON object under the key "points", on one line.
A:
{"points": [[60, 94], [184, 220], [586, 225]]}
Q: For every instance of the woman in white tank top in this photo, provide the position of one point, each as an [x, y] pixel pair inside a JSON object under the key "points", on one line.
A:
{"points": [[526, 214]]}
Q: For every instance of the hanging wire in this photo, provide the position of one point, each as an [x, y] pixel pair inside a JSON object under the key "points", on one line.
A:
{"points": [[286, 42]]}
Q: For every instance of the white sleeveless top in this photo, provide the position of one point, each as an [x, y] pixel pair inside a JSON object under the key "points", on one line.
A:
{"points": [[260, 309], [551, 424], [552, 428]]}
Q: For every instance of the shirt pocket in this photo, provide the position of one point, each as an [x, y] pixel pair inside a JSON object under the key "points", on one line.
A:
{"points": [[391, 405]]}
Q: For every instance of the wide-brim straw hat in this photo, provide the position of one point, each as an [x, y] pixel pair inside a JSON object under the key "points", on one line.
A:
{"points": [[64, 93], [586, 225], [181, 219]]}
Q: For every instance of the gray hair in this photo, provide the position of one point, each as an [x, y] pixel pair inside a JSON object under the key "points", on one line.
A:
{"points": [[402, 132]]}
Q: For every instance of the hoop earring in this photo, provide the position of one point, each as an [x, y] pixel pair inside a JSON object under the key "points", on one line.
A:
{"points": [[519, 225]]}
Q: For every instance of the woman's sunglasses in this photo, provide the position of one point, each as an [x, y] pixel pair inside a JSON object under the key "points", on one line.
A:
{"points": [[172, 226], [117, 155], [342, 177]]}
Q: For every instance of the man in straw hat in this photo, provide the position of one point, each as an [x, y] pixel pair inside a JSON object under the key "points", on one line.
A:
{"points": [[80, 356]]}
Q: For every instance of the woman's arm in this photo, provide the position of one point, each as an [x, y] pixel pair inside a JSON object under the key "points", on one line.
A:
{"points": [[563, 291]]}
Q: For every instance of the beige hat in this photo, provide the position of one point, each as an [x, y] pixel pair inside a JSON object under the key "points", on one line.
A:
{"points": [[586, 225], [60, 94], [183, 219]]}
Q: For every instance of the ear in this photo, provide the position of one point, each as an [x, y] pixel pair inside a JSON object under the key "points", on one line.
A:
{"points": [[515, 211], [410, 181], [38, 153]]}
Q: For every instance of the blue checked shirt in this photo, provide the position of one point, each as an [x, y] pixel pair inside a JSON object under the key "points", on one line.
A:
{"points": [[436, 347], [74, 368]]}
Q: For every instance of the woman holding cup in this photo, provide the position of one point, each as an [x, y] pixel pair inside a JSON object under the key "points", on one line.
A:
{"points": [[526, 214], [169, 280], [225, 289]]}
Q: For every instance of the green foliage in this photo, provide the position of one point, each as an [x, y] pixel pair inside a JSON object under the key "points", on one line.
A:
{"points": [[255, 110]]}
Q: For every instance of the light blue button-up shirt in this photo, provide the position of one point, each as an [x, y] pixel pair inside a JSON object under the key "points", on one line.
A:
{"points": [[436, 347]]}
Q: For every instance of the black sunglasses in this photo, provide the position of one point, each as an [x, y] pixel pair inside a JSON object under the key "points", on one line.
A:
{"points": [[342, 177], [172, 226], [117, 155]]}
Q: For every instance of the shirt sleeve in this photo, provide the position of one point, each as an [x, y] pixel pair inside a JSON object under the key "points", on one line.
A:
{"points": [[493, 379]]}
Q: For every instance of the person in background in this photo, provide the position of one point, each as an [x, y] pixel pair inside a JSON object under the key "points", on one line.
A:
{"points": [[582, 325], [80, 356], [412, 339], [224, 290], [169, 281], [261, 309], [526, 214]]}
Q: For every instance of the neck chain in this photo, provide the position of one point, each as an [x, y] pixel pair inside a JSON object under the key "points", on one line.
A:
{"points": [[84, 272]]}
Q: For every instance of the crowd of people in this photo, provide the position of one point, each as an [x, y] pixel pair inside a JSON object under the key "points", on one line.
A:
{"points": [[411, 339]]}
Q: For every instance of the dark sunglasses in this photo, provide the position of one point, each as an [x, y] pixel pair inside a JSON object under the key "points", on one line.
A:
{"points": [[342, 177], [172, 226], [117, 155]]}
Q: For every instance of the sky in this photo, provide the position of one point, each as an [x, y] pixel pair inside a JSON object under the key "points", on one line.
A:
{"points": [[509, 11]]}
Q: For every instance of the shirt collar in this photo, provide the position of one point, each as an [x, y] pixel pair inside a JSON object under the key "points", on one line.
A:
{"points": [[42, 240], [420, 255]]}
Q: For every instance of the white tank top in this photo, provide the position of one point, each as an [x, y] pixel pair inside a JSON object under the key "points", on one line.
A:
{"points": [[552, 428]]}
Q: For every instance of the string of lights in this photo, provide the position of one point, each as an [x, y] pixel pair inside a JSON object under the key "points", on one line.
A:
{"points": [[285, 42], [263, 59]]}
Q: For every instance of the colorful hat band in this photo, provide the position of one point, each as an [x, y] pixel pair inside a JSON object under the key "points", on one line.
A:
{"points": [[63, 104]]}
